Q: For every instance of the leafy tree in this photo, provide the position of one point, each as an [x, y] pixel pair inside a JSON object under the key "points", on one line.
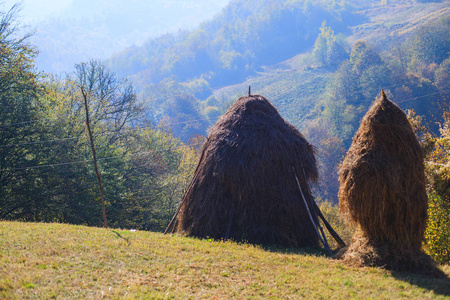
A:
{"points": [[353, 88], [144, 170], [329, 49], [373, 79], [156, 175], [113, 107], [61, 185], [345, 85], [437, 167], [340, 116], [430, 43], [363, 56], [19, 90], [442, 78], [330, 151], [113, 101]]}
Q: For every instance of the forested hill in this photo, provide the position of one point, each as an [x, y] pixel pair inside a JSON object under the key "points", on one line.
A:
{"points": [[247, 35], [250, 37], [321, 63], [243, 37]]}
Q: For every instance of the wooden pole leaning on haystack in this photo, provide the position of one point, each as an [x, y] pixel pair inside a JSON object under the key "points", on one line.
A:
{"points": [[315, 219], [173, 222], [382, 189], [333, 233], [316, 213]]}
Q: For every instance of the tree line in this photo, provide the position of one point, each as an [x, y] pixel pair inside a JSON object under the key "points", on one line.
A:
{"points": [[46, 167], [413, 73]]}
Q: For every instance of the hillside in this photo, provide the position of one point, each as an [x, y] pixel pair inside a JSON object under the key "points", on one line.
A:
{"points": [[320, 63], [247, 44], [294, 92], [297, 84], [394, 21], [64, 261], [235, 44], [243, 38]]}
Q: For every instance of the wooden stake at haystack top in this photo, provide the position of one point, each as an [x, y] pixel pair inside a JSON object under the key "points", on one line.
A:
{"points": [[252, 181], [382, 189]]}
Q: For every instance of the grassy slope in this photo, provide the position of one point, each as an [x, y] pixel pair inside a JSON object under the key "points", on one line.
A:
{"points": [[399, 17], [296, 93], [63, 261]]}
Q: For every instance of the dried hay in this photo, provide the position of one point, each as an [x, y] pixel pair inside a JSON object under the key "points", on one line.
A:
{"points": [[382, 190], [244, 187]]}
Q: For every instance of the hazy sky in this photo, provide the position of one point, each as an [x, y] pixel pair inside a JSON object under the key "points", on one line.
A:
{"points": [[36, 10], [72, 31]]}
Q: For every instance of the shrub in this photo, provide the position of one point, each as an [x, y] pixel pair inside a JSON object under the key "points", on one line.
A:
{"points": [[212, 112], [437, 168], [437, 233]]}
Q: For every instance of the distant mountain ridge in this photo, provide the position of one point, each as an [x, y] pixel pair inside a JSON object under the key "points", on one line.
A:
{"points": [[98, 29]]}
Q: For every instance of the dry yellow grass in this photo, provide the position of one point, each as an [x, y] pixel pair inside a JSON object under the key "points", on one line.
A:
{"points": [[46, 261]]}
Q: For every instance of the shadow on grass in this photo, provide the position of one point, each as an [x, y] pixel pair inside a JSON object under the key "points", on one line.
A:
{"points": [[314, 251], [437, 281], [433, 280]]}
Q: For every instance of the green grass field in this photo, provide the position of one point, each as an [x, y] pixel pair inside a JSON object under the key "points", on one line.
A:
{"points": [[45, 261]]}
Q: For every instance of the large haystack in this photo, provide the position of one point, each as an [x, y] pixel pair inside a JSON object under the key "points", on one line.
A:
{"points": [[244, 187], [382, 189]]}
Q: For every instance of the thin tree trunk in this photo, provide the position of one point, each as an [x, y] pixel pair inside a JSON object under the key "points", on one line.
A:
{"points": [[94, 155]]}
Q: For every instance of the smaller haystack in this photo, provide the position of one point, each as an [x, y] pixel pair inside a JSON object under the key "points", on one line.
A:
{"points": [[245, 185], [382, 189]]}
